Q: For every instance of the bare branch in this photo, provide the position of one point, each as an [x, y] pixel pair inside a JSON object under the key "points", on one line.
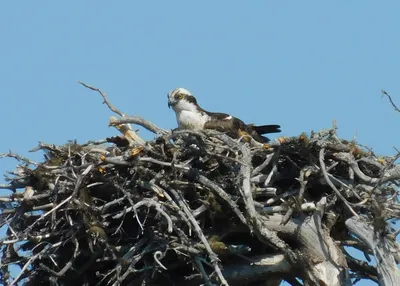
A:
{"points": [[390, 100], [103, 95], [389, 273], [328, 180], [139, 121]]}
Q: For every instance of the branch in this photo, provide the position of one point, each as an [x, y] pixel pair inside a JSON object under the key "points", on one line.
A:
{"points": [[125, 129], [201, 179], [328, 180], [389, 273], [139, 121], [129, 134], [149, 203], [17, 157], [213, 257], [390, 100], [103, 95]]}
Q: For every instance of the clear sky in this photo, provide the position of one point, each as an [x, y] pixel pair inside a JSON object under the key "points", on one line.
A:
{"points": [[300, 64]]}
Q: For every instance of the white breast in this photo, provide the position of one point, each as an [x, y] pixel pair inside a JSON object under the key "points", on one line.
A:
{"points": [[191, 120]]}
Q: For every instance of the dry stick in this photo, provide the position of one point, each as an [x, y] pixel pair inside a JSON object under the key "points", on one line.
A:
{"points": [[328, 180], [75, 192], [103, 95], [128, 197], [10, 187], [68, 265], [223, 195], [390, 99], [149, 203], [261, 167], [154, 187], [202, 271], [388, 175], [126, 258], [139, 121], [362, 269], [105, 207], [266, 236], [132, 263], [389, 166], [50, 211], [157, 256], [124, 129], [29, 262], [220, 192], [303, 183], [197, 229], [18, 158], [129, 134], [300, 197]]}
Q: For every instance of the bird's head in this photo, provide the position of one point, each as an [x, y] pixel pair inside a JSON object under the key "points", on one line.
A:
{"points": [[181, 99]]}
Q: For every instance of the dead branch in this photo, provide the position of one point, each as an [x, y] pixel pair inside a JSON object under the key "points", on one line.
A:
{"points": [[140, 121], [390, 100], [103, 95]]}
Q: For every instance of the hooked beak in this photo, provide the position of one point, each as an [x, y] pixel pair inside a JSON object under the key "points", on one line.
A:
{"points": [[170, 103]]}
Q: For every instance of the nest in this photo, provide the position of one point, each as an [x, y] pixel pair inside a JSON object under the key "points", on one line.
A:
{"points": [[190, 208], [183, 209]]}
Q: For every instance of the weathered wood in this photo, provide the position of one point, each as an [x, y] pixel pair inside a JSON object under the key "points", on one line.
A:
{"points": [[388, 271]]}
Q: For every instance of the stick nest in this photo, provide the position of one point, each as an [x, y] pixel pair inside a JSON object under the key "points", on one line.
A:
{"points": [[184, 208]]}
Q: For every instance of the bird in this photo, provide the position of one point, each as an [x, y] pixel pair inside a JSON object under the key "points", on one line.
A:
{"points": [[190, 115]]}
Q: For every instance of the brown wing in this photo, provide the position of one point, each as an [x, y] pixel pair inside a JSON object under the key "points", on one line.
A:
{"points": [[233, 127], [228, 126], [236, 128], [222, 122]]}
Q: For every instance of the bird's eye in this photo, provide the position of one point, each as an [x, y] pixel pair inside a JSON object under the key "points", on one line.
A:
{"points": [[180, 96]]}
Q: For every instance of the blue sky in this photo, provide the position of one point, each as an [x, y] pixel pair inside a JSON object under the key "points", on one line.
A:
{"points": [[300, 64]]}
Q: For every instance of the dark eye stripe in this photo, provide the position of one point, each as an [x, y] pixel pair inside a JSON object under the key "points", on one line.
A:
{"points": [[191, 99]]}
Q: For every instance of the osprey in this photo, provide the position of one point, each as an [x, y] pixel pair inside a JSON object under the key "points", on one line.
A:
{"points": [[190, 115]]}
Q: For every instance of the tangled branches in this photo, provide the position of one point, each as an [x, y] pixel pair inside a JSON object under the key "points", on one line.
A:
{"points": [[199, 207]]}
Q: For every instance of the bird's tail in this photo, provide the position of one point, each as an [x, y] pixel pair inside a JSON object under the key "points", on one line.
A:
{"points": [[264, 129]]}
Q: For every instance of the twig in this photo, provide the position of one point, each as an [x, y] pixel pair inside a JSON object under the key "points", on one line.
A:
{"points": [[149, 203], [103, 95], [69, 263], [213, 257], [29, 262], [203, 272], [125, 129], [157, 256], [328, 180], [261, 167], [84, 173], [18, 157], [223, 195], [390, 100]]}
